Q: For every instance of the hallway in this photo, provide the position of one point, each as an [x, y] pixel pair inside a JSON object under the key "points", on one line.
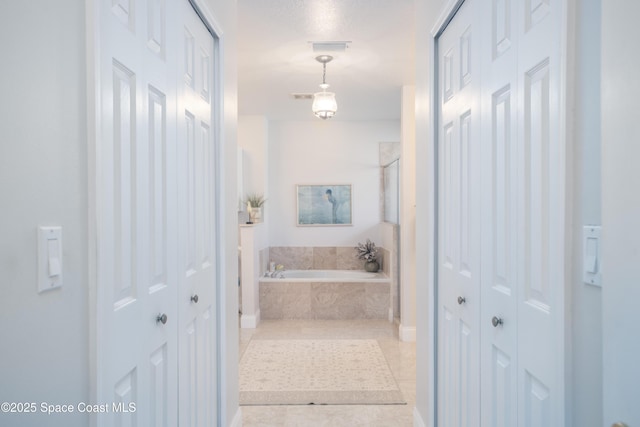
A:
{"points": [[399, 355]]}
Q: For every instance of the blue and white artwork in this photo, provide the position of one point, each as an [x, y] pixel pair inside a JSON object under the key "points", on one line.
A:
{"points": [[324, 205]]}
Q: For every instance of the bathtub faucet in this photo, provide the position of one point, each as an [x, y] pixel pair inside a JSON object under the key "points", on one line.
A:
{"points": [[279, 273], [275, 271]]}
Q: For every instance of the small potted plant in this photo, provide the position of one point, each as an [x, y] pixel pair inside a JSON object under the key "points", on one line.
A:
{"points": [[369, 253], [254, 203]]}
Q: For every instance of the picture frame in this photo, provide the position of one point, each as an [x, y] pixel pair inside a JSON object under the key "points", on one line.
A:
{"points": [[324, 205]]}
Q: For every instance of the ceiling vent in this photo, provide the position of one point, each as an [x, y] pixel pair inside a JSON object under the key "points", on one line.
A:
{"points": [[330, 46], [302, 95]]}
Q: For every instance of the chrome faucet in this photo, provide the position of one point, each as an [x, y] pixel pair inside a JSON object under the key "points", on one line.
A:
{"points": [[278, 272]]}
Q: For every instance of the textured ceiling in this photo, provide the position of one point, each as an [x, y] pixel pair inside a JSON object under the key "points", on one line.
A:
{"points": [[276, 58]]}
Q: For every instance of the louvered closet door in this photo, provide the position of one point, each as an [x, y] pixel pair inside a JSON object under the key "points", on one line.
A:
{"points": [[137, 256], [459, 222], [523, 183]]}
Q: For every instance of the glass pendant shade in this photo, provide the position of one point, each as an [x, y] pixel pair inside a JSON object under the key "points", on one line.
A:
{"points": [[324, 104]]}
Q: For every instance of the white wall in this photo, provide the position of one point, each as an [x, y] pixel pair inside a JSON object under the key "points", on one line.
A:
{"points": [[43, 181], [408, 216], [325, 152], [585, 309], [253, 138], [427, 14], [253, 239], [620, 210]]}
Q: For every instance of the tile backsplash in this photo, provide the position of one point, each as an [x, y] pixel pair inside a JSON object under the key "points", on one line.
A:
{"points": [[320, 258]]}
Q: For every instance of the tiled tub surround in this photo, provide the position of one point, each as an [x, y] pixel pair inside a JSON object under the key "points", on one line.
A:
{"points": [[326, 298], [316, 258]]}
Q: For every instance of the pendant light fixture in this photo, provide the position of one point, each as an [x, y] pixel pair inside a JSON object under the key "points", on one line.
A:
{"points": [[324, 103]]}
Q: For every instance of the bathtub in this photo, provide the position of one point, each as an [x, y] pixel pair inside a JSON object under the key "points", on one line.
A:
{"points": [[326, 294], [326, 276]]}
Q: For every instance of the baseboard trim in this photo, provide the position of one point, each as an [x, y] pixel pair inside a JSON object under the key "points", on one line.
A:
{"points": [[407, 333], [237, 419], [250, 321], [417, 418]]}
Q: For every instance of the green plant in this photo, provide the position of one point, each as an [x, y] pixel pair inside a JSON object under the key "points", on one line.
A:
{"points": [[255, 200], [367, 251]]}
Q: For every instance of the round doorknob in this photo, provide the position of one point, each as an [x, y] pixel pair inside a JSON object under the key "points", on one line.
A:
{"points": [[620, 424], [496, 321], [194, 299], [461, 300], [162, 318]]}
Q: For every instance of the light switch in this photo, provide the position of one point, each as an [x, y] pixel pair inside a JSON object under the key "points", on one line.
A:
{"points": [[49, 258], [591, 273], [53, 257], [591, 261]]}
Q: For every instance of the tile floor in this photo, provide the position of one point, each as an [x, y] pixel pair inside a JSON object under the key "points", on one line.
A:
{"points": [[400, 356]]}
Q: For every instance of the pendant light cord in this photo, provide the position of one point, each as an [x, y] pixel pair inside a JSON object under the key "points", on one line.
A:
{"points": [[324, 72]]}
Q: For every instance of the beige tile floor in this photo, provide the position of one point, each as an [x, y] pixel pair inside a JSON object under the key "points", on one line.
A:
{"points": [[401, 357]]}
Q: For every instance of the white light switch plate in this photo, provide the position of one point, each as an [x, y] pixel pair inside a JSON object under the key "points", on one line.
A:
{"points": [[591, 255], [50, 266]]}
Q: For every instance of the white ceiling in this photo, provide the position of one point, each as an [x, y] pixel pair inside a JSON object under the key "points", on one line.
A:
{"points": [[275, 58]]}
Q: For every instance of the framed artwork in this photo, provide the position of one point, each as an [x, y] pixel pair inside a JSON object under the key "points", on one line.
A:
{"points": [[324, 205]]}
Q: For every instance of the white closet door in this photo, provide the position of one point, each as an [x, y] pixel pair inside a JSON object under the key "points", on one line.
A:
{"points": [[136, 199], [459, 221], [197, 230], [524, 245], [499, 216], [501, 207], [541, 215]]}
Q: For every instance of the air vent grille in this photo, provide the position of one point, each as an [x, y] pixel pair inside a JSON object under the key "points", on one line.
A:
{"points": [[330, 46], [302, 95]]}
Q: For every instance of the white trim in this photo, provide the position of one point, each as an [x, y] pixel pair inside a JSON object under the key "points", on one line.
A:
{"points": [[431, 237], [210, 21], [250, 321], [207, 17], [417, 418], [567, 131], [407, 333], [446, 15], [237, 419], [92, 51]]}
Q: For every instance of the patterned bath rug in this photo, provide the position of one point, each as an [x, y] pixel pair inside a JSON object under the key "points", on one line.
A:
{"points": [[320, 372]]}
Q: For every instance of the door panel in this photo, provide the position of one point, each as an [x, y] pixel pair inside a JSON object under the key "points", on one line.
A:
{"points": [[458, 223], [524, 175], [541, 216], [197, 231], [136, 225]]}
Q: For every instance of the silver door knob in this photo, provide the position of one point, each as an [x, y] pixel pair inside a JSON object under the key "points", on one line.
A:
{"points": [[194, 299], [620, 424], [496, 321], [461, 300], [162, 318]]}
